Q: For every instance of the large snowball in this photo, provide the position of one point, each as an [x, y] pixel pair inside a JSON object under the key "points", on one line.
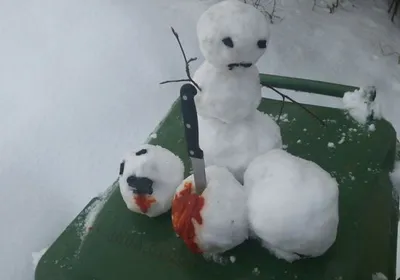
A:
{"points": [[157, 164], [214, 221], [242, 23], [293, 205]]}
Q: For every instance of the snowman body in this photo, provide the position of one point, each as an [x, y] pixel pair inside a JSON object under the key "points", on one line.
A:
{"points": [[292, 204], [232, 37], [235, 145]]}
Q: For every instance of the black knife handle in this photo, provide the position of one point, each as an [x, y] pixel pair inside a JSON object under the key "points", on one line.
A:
{"points": [[190, 122]]}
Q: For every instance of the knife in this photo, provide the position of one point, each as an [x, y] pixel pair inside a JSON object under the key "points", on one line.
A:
{"points": [[191, 126]]}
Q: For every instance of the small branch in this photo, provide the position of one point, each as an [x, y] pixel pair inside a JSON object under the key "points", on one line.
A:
{"points": [[281, 110], [294, 101], [187, 62]]}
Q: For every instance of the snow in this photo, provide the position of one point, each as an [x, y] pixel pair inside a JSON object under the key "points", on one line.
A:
{"points": [[248, 138], [224, 214], [36, 256], [331, 145], [240, 93], [395, 176], [231, 20], [379, 276], [162, 167], [371, 127], [359, 106], [284, 191], [79, 87]]}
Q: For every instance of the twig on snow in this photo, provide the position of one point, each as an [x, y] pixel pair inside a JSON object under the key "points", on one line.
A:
{"points": [[187, 62], [297, 103]]}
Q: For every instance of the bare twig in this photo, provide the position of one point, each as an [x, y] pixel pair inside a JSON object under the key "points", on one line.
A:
{"points": [[294, 101], [270, 15], [187, 62]]}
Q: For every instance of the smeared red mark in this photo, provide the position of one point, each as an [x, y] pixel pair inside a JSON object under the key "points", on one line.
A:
{"points": [[144, 202], [185, 207]]}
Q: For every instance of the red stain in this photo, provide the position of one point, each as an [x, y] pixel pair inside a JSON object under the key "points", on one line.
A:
{"points": [[144, 202], [185, 207]]}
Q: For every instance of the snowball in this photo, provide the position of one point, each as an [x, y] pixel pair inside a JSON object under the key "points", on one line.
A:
{"points": [[242, 25], [215, 221], [154, 164], [359, 106], [226, 95], [235, 145], [395, 176], [292, 204]]}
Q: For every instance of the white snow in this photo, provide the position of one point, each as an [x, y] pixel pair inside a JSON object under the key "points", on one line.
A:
{"points": [[235, 145], [331, 145], [224, 214], [379, 276], [371, 127], [162, 167], [395, 176], [79, 87], [284, 192], [359, 107], [36, 256]]}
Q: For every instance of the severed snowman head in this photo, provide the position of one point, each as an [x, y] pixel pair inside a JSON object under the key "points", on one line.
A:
{"points": [[232, 34]]}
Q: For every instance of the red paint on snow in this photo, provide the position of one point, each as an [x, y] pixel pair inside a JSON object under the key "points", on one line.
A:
{"points": [[144, 202], [187, 206]]}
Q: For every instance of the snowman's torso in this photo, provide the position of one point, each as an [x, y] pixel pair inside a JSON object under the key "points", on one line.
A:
{"points": [[228, 95], [235, 145], [293, 205]]}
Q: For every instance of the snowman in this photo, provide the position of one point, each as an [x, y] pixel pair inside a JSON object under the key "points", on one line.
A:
{"points": [[232, 37], [148, 178]]}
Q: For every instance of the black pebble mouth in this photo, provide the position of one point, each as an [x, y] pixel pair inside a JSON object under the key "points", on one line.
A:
{"points": [[140, 185], [241, 64]]}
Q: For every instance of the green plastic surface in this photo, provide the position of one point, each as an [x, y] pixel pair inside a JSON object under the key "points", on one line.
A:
{"points": [[122, 245], [305, 85]]}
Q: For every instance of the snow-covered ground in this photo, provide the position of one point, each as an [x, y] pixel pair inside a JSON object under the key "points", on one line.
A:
{"points": [[79, 87]]}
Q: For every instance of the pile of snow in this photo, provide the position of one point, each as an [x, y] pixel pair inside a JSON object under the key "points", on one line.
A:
{"points": [[36, 256], [361, 105]]}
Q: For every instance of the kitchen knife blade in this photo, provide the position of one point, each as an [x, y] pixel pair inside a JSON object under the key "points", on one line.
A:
{"points": [[191, 127]]}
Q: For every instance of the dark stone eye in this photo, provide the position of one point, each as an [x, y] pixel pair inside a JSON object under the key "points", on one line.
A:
{"points": [[228, 42], [121, 168], [141, 152], [262, 44]]}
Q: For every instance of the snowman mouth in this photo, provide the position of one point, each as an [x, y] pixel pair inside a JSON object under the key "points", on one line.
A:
{"points": [[241, 64]]}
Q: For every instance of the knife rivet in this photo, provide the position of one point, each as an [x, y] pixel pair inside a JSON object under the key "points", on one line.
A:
{"points": [[191, 153], [184, 97], [188, 125]]}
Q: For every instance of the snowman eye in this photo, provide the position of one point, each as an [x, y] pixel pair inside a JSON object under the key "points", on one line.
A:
{"points": [[262, 44], [228, 42], [121, 168], [141, 152]]}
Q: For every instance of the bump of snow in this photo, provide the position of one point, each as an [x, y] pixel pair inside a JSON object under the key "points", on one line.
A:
{"points": [[358, 105], [331, 145], [379, 276], [341, 141], [371, 127], [36, 256], [153, 135], [395, 176], [298, 141], [256, 271], [232, 259]]}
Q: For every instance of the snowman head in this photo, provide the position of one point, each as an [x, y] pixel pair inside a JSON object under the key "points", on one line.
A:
{"points": [[232, 34], [150, 170]]}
